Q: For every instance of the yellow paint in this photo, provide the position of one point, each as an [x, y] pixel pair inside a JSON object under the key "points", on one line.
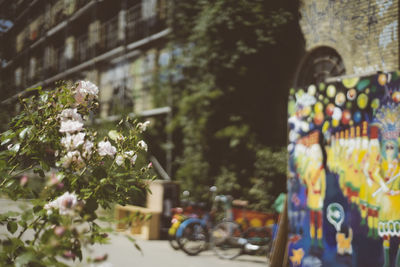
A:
{"points": [[297, 256], [255, 222]]}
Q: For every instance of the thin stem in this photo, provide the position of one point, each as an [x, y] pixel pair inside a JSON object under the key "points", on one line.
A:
{"points": [[26, 227], [38, 232]]}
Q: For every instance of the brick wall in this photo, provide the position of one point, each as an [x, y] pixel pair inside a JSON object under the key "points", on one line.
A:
{"points": [[363, 32]]}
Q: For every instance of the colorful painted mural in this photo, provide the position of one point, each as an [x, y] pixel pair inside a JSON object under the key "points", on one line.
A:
{"points": [[344, 173]]}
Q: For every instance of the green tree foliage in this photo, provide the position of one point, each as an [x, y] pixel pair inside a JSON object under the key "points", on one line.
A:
{"points": [[237, 60]]}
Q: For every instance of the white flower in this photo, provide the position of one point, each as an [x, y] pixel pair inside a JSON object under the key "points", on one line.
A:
{"points": [[86, 88], [70, 157], [13, 148], [105, 148], [71, 142], [87, 149], [70, 114], [119, 160], [143, 126], [129, 153], [133, 159], [142, 145], [132, 156], [65, 204], [70, 126]]}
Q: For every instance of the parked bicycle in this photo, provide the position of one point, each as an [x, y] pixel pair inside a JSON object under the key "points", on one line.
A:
{"points": [[180, 214], [230, 239], [193, 233], [176, 221]]}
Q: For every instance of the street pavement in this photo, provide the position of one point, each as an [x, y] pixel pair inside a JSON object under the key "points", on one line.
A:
{"points": [[122, 252]]}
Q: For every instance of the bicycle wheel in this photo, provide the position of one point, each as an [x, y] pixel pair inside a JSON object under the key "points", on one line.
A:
{"points": [[227, 241], [259, 236], [194, 239], [173, 242]]}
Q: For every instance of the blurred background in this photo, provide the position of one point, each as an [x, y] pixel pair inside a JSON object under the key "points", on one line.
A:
{"points": [[212, 77]]}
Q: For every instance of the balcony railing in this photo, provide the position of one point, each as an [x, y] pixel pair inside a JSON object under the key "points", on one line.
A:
{"points": [[139, 27], [109, 35], [83, 51]]}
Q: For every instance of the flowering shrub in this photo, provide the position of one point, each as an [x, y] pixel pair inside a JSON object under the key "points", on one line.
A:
{"points": [[51, 138]]}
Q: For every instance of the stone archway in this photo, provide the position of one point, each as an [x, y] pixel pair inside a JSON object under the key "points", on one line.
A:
{"points": [[318, 65]]}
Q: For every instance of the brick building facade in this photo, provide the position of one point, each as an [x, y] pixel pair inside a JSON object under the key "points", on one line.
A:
{"points": [[348, 37]]}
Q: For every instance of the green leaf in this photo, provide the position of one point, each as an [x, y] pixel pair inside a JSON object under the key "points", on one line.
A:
{"points": [[138, 247], [44, 166], [37, 208], [39, 88], [24, 132], [5, 142], [7, 135], [114, 135], [91, 205], [39, 171], [12, 226]]}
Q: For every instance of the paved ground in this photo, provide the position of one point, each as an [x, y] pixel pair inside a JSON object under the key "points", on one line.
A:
{"points": [[122, 253], [158, 253]]}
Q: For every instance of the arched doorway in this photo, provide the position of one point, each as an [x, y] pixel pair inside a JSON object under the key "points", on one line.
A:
{"points": [[317, 65]]}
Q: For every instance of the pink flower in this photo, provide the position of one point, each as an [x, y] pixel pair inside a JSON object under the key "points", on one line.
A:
{"points": [[59, 230], [150, 165], [100, 258], [85, 90], [105, 148], [55, 179], [60, 186], [87, 149], [70, 114], [24, 180], [69, 255], [65, 204], [72, 157], [72, 142], [70, 126]]}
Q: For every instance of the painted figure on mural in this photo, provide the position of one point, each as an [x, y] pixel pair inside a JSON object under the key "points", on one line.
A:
{"points": [[298, 198], [363, 173], [372, 171], [387, 119], [316, 185], [353, 185], [352, 195], [342, 162]]}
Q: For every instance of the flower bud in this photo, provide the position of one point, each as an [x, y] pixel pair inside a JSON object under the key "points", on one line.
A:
{"points": [[60, 186], [24, 180], [69, 255], [59, 230], [101, 258]]}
